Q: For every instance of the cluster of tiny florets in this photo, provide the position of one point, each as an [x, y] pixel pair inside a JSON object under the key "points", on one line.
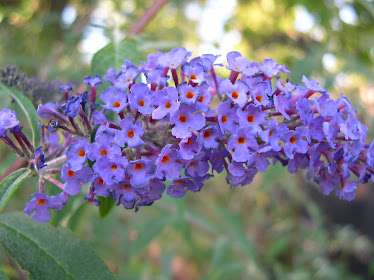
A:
{"points": [[169, 123]]}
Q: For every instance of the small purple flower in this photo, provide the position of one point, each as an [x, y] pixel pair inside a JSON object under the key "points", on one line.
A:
{"points": [[53, 124], [312, 85], [155, 77], [286, 87], [204, 99], [271, 68], [243, 142], [92, 200], [110, 75], [167, 102], [217, 159], [227, 117], [282, 104], [294, 141], [236, 92], [179, 187], [93, 81], [253, 117], [103, 147], [38, 207], [48, 110], [195, 73], [111, 170], [168, 164], [198, 167], [77, 153], [115, 100], [173, 59], [272, 134], [126, 78], [188, 147], [325, 106], [140, 172], [188, 94], [71, 106], [39, 158], [130, 134], [141, 98], [66, 88], [260, 93], [185, 119], [8, 118], [209, 135], [75, 179]]}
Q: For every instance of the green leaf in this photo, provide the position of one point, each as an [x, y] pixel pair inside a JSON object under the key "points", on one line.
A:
{"points": [[107, 204], [3, 275], [10, 184], [48, 252], [29, 110], [112, 55]]}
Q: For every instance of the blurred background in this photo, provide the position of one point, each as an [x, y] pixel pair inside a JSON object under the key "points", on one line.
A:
{"points": [[280, 226]]}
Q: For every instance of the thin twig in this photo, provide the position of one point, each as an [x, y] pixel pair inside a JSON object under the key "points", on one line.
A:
{"points": [[148, 15]]}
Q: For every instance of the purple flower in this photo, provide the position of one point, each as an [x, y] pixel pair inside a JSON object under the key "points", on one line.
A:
{"points": [[209, 135], [173, 59], [325, 106], [242, 143], [75, 179], [198, 167], [115, 100], [227, 117], [53, 124], [167, 102], [253, 117], [155, 77], [236, 92], [179, 187], [260, 93], [140, 172], [77, 153], [282, 104], [185, 119], [110, 75], [168, 164], [93, 81], [195, 73], [272, 134], [126, 78], [66, 88], [103, 147], [111, 170], [71, 106], [130, 134], [188, 147], [312, 85], [92, 200], [39, 158], [286, 87], [8, 118], [271, 68], [217, 159], [38, 207], [141, 98], [204, 99], [294, 141], [188, 94]]}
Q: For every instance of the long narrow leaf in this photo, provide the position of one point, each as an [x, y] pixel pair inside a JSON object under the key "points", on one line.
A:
{"points": [[10, 184], [47, 252], [29, 110]]}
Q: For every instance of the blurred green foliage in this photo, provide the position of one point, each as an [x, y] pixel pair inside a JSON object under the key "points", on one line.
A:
{"points": [[271, 229]]}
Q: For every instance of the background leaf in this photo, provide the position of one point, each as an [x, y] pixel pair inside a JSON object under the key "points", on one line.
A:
{"points": [[107, 204], [47, 252], [112, 55], [29, 110], [10, 184]]}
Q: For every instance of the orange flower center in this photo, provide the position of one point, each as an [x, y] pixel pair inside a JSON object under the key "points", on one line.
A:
{"points": [[165, 159], [207, 134], [81, 153], [126, 186], [183, 118], [190, 94], [130, 134], [113, 167], [293, 140], [138, 166], [141, 102], [189, 141], [224, 119], [251, 118], [193, 77], [116, 104], [167, 105], [41, 201], [103, 153], [271, 133], [180, 182], [259, 98], [241, 140], [71, 173], [283, 84], [192, 164], [234, 95], [100, 181], [201, 99]]}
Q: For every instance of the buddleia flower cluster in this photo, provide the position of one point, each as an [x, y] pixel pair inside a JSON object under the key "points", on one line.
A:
{"points": [[171, 123]]}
